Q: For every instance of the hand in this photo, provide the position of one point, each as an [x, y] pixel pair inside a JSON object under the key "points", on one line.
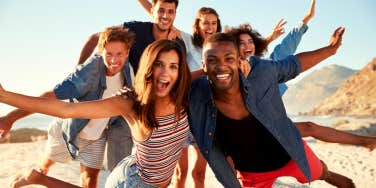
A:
{"points": [[1, 88], [245, 67], [310, 13], [174, 33], [5, 126], [336, 38], [278, 30]]}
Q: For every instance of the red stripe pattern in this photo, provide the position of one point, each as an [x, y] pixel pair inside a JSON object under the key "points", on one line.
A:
{"points": [[158, 155]]}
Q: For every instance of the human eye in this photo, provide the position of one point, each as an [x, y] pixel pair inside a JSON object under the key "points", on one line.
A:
{"points": [[174, 66], [211, 61], [171, 11], [158, 64]]}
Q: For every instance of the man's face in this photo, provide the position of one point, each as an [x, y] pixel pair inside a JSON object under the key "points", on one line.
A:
{"points": [[221, 63], [164, 15], [114, 54]]}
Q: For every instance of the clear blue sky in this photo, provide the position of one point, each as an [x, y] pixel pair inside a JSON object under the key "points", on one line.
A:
{"points": [[41, 39]]}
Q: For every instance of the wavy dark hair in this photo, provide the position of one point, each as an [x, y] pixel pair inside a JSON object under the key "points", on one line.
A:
{"points": [[260, 43], [153, 2], [198, 40], [144, 99]]}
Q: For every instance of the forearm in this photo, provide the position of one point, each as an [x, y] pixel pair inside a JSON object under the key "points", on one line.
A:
{"points": [[29, 105], [88, 48], [146, 5], [311, 58], [328, 134], [17, 114]]}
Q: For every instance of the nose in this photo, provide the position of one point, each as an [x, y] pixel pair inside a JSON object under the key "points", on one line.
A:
{"points": [[164, 15]]}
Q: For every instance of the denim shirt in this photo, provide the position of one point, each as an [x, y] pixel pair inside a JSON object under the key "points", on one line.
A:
{"points": [[288, 47], [86, 83], [263, 100]]}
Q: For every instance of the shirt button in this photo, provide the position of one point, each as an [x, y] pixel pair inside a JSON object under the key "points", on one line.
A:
{"points": [[213, 115], [210, 133], [206, 152]]}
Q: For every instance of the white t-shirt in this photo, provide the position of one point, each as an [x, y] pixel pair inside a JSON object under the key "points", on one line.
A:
{"points": [[95, 127], [194, 54]]}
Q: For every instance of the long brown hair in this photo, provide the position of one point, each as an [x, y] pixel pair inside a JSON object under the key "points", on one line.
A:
{"points": [[198, 40], [145, 97]]}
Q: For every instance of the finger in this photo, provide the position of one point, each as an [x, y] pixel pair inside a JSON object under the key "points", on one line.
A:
{"points": [[281, 24]]}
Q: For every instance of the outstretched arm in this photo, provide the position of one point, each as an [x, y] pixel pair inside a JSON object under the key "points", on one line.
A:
{"points": [[7, 121], [88, 48], [146, 5], [328, 134], [309, 59], [93, 109]]}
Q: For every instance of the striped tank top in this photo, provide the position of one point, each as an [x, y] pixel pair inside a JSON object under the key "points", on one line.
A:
{"points": [[157, 156]]}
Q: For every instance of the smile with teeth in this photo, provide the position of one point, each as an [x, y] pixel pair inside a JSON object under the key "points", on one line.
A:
{"points": [[163, 83], [222, 76], [248, 51]]}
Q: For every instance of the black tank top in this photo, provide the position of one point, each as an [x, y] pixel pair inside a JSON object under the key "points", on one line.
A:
{"points": [[252, 147]]}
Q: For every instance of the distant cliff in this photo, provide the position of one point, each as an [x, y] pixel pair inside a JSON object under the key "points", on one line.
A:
{"points": [[356, 97], [314, 88]]}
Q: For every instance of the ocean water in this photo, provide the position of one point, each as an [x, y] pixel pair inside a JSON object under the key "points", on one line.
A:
{"points": [[37, 121]]}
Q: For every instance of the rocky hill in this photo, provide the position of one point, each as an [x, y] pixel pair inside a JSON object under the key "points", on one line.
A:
{"points": [[356, 97], [314, 88]]}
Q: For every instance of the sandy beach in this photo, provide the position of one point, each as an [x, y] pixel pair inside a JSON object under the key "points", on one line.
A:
{"points": [[353, 161]]}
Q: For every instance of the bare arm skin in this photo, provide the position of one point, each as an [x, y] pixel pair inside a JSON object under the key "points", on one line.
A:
{"points": [[92, 109], [310, 13], [310, 59], [328, 134], [146, 5], [7, 121], [88, 48]]}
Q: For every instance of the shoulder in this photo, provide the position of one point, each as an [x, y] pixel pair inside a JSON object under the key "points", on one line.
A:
{"points": [[132, 25], [200, 89]]}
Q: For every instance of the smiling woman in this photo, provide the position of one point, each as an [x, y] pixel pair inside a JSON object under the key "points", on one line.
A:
{"points": [[155, 112]]}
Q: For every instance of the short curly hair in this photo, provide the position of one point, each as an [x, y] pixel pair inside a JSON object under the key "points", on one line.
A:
{"points": [[261, 44]]}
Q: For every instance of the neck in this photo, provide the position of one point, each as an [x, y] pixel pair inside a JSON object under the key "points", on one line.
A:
{"points": [[164, 106], [159, 34], [228, 95]]}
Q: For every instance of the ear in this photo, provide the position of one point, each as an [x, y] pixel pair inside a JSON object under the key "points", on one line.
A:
{"points": [[204, 66]]}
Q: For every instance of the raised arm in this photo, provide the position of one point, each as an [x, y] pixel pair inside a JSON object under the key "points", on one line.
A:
{"points": [[7, 121], [310, 13], [309, 59], [113, 106], [146, 5], [291, 41], [88, 48]]}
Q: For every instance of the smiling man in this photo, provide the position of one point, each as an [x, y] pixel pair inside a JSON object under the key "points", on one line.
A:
{"points": [[240, 122], [163, 13], [99, 77]]}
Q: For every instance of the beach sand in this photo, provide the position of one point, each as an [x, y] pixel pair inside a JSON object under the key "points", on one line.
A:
{"points": [[355, 162]]}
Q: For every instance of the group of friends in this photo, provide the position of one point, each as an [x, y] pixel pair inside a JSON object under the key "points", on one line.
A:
{"points": [[210, 89]]}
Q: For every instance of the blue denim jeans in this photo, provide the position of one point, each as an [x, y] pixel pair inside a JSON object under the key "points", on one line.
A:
{"points": [[125, 175]]}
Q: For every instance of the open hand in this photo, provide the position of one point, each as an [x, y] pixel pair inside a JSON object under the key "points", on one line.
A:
{"points": [[336, 38], [278, 30], [245, 67]]}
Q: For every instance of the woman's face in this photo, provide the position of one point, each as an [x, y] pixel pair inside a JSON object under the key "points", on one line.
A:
{"points": [[246, 46], [165, 73], [207, 25]]}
